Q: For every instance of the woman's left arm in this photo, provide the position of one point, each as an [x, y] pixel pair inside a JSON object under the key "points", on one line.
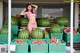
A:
{"points": [[36, 7]]}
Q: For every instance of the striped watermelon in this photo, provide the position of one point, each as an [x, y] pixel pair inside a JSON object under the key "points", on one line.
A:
{"points": [[43, 22], [23, 34], [24, 21], [37, 33], [62, 21], [47, 36], [14, 21], [55, 28]]}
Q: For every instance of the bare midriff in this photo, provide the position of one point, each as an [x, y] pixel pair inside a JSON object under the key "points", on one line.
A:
{"points": [[32, 20]]}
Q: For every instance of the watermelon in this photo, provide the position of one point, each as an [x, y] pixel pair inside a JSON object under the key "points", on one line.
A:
{"points": [[46, 35], [14, 21], [23, 34], [78, 29], [37, 33], [4, 30], [55, 28], [62, 21], [24, 21], [43, 22]]}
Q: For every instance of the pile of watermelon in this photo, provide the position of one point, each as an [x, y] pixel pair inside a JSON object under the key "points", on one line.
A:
{"points": [[36, 34], [67, 30], [54, 40], [38, 42]]}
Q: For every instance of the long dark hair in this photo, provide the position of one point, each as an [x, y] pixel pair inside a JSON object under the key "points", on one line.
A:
{"points": [[27, 8]]}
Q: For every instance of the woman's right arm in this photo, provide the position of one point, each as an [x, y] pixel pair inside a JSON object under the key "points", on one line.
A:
{"points": [[23, 12]]}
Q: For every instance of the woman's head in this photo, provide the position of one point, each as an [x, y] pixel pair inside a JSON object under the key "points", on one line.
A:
{"points": [[29, 7]]}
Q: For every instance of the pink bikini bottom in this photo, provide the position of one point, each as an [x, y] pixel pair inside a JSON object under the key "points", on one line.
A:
{"points": [[32, 25]]}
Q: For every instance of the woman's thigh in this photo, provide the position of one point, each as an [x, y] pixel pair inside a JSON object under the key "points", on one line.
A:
{"points": [[35, 26], [29, 26]]}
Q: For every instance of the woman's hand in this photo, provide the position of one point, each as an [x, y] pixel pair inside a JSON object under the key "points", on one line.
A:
{"points": [[23, 12], [36, 7]]}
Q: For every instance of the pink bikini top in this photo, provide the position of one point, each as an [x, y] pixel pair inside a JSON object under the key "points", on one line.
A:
{"points": [[31, 14]]}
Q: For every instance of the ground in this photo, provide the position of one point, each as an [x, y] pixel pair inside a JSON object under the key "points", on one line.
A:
{"points": [[77, 51]]}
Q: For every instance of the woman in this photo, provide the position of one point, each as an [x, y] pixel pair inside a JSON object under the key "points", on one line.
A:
{"points": [[29, 11]]}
